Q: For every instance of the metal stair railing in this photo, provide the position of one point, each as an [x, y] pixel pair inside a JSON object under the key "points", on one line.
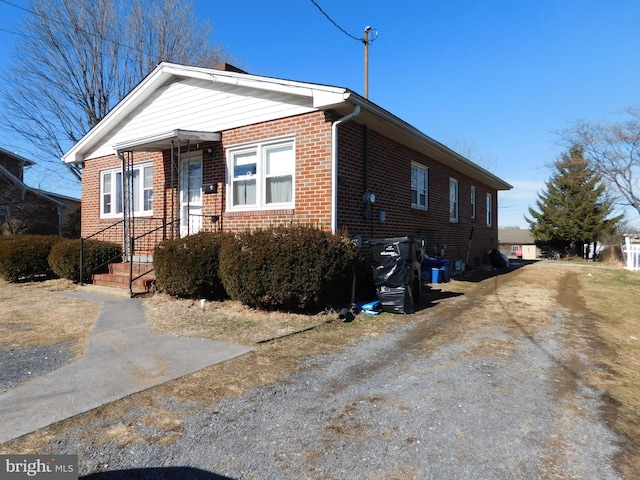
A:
{"points": [[107, 232], [151, 239]]}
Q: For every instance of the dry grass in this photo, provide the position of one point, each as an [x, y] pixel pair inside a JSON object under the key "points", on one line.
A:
{"points": [[225, 321], [118, 422], [34, 314], [611, 295], [604, 305]]}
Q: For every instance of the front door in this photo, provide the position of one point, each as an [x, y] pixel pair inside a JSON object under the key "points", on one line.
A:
{"points": [[191, 194]]}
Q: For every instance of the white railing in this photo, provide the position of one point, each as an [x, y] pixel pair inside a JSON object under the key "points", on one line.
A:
{"points": [[631, 252]]}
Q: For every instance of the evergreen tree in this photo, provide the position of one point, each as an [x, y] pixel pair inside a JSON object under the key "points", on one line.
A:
{"points": [[574, 210]]}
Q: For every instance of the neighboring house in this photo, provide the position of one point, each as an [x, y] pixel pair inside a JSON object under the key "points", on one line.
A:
{"points": [[518, 243], [24, 209], [220, 149]]}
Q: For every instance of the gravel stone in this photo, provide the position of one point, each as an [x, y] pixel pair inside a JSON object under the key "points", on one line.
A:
{"points": [[374, 411], [19, 365]]}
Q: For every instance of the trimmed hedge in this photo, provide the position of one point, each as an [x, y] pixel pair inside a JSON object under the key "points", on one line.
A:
{"points": [[24, 257], [296, 268], [65, 258], [188, 267]]}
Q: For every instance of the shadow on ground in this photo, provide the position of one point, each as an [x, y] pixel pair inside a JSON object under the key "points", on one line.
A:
{"points": [[431, 294], [479, 274], [169, 473]]}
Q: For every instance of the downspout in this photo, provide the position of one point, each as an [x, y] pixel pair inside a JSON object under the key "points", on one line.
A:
{"points": [[334, 166]]}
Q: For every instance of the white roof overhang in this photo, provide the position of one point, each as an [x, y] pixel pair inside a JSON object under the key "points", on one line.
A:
{"points": [[393, 127], [166, 140], [323, 97]]}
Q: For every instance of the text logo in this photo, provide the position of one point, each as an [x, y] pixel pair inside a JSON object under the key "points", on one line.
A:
{"points": [[50, 467]]}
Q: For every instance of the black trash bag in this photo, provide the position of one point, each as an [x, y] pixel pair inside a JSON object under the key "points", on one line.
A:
{"points": [[393, 272], [393, 285], [395, 299], [496, 259]]}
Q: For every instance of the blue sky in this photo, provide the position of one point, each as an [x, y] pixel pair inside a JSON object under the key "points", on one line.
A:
{"points": [[493, 79]]}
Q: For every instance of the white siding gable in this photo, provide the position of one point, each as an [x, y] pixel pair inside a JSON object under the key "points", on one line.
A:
{"points": [[201, 105]]}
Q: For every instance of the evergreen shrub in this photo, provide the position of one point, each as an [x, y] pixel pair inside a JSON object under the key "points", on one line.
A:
{"points": [[64, 258], [295, 268], [188, 267], [23, 258]]}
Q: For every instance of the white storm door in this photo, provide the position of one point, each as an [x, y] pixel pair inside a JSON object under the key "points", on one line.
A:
{"points": [[191, 195]]}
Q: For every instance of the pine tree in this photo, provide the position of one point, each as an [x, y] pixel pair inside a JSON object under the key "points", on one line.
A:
{"points": [[574, 210]]}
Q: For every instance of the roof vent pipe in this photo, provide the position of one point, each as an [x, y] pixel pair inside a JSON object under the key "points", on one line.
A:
{"points": [[334, 166]]}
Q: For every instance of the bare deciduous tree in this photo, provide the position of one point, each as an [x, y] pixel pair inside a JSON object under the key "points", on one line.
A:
{"points": [[78, 58], [613, 152]]}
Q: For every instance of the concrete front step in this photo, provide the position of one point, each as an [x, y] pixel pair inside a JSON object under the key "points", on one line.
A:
{"points": [[118, 276]]}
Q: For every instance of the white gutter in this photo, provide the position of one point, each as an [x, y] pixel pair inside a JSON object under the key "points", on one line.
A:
{"points": [[334, 166]]}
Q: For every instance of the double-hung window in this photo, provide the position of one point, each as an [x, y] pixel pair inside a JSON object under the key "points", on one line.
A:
{"points": [[419, 186], [112, 191], [453, 200], [262, 175], [489, 210]]}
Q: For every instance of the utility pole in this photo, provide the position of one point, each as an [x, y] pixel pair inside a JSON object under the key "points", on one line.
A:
{"points": [[365, 40], [369, 36]]}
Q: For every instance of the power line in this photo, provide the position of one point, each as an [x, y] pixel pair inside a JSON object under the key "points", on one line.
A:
{"points": [[33, 12], [337, 26]]}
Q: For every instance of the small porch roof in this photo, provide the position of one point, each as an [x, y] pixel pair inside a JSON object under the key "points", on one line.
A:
{"points": [[165, 140]]}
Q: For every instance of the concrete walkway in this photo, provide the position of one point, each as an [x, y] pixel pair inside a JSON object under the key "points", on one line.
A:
{"points": [[122, 357]]}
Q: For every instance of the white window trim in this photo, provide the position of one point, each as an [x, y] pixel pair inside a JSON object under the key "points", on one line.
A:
{"points": [[260, 148], [473, 202], [425, 169], [454, 218], [489, 210], [114, 171]]}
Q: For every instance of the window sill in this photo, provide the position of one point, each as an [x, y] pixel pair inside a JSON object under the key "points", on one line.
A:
{"points": [[259, 212], [120, 215]]}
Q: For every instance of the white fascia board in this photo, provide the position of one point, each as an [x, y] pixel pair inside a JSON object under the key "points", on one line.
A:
{"points": [[322, 95], [302, 89], [324, 99], [133, 99], [163, 140]]}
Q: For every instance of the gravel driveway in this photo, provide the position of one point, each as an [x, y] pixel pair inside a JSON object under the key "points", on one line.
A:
{"points": [[475, 388]]}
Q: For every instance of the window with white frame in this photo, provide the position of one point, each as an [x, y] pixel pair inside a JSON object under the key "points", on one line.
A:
{"points": [[419, 186], [261, 175], [489, 210], [111, 191], [453, 200], [473, 203]]}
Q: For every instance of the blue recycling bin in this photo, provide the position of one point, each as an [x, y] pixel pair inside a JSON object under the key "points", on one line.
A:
{"points": [[430, 264], [435, 275]]}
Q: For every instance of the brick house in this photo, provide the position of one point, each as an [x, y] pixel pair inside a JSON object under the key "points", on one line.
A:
{"points": [[27, 210], [219, 149]]}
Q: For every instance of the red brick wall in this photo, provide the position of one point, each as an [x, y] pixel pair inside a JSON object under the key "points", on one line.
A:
{"points": [[91, 221], [389, 178], [313, 171]]}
